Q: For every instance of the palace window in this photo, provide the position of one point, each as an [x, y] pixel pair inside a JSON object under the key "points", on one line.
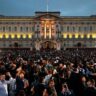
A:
{"points": [[26, 29], [85, 29], [73, 29], [79, 29], [68, 28], [90, 28], [0, 28], [32, 28], [15, 28], [21, 29], [9, 28], [3, 29]]}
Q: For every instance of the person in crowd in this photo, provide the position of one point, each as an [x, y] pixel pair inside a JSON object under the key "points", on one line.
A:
{"points": [[91, 88], [11, 84], [22, 83], [50, 90], [3, 86], [65, 91]]}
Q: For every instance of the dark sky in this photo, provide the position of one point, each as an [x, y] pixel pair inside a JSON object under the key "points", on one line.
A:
{"points": [[66, 7]]}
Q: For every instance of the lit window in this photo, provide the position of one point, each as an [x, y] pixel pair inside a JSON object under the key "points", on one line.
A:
{"points": [[18, 36], [76, 35], [65, 35], [70, 36], [24, 36], [82, 36], [12, 36], [6, 36], [1, 36], [29, 36], [88, 36], [93, 35]]}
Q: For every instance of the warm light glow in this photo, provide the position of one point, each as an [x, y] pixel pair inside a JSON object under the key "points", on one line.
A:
{"points": [[1, 36], [70, 35], [12, 36], [47, 25], [6, 36], [65, 35], [88, 36], [45, 31], [50, 32], [93, 35], [82, 36], [24, 36], [76, 35], [18, 36], [29, 35]]}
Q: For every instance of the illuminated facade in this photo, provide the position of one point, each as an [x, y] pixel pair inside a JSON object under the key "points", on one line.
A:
{"points": [[47, 29]]}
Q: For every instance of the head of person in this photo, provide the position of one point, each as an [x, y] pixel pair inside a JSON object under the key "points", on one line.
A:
{"points": [[91, 83], [83, 79], [21, 75], [51, 83], [64, 87], [2, 77]]}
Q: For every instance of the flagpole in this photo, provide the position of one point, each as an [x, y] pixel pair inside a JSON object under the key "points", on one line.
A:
{"points": [[47, 6]]}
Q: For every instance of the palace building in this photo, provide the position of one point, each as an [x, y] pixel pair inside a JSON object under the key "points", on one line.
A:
{"points": [[47, 30]]}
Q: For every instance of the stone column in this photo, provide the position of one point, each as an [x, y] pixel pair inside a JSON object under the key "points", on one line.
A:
{"points": [[45, 31]]}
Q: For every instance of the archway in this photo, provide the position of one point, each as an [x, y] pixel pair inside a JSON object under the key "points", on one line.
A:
{"points": [[79, 44], [16, 44]]}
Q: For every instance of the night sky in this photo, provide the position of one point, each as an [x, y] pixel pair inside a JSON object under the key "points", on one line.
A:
{"points": [[66, 7]]}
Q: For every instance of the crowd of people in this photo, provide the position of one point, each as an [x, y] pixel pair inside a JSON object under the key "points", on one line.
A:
{"points": [[69, 72]]}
